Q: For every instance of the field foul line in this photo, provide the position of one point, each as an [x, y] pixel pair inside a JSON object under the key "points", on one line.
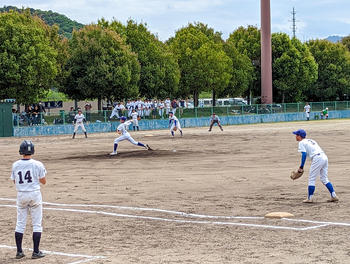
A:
{"points": [[146, 209], [318, 224], [87, 258], [179, 220]]}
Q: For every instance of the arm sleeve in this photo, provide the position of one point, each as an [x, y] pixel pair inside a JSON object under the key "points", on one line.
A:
{"points": [[175, 122], [13, 176], [303, 159], [169, 121]]}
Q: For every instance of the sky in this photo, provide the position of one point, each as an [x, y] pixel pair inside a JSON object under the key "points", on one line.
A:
{"points": [[315, 18]]}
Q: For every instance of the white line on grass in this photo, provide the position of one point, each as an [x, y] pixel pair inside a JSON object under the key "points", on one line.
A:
{"points": [[177, 220], [87, 258]]}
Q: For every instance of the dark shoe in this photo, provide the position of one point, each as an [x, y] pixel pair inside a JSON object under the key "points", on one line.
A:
{"points": [[38, 255], [20, 255]]}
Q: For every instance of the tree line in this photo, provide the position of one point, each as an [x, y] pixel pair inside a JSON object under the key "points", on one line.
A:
{"points": [[115, 61]]}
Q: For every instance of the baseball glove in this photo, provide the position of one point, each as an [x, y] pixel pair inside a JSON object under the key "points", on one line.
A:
{"points": [[175, 128], [296, 174], [139, 118]]}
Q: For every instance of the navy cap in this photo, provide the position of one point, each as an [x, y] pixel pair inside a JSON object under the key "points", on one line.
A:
{"points": [[300, 132], [122, 118]]}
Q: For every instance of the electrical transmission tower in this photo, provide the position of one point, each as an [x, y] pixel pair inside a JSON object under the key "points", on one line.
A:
{"points": [[294, 26]]}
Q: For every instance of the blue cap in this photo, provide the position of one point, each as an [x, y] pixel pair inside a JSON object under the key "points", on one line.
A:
{"points": [[300, 132], [122, 118], [171, 113]]}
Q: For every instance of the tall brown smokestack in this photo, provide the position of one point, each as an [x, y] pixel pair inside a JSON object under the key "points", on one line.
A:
{"points": [[266, 57]]}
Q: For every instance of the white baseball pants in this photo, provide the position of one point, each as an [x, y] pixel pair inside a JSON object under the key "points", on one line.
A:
{"points": [[319, 167], [125, 137], [177, 125], [29, 202], [77, 125]]}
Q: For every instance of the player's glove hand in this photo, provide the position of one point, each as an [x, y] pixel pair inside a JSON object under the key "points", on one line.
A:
{"points": [[296, 174]]}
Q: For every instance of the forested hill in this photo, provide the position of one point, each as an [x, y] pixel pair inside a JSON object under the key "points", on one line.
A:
{"points": [[65, 24]]}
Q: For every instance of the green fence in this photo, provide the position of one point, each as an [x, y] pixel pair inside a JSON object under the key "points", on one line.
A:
{"points": [[62, 117]]}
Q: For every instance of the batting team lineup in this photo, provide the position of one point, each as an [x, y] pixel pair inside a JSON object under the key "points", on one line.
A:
{"points": [[28, 174]]}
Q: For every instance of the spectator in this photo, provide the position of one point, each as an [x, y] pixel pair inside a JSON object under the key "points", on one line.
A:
{"points": [[161, 109], [154, 109], [167, 103], [88, 108], [174, 106]]}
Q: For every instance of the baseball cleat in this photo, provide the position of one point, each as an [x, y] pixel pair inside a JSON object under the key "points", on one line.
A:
{"points": [[148, 147], [333, 199], [113, 153], [308, 201], [20, 255], [38, 255]]}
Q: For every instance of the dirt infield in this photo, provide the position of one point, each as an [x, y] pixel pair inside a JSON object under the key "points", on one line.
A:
{"points": [[196, 199]]}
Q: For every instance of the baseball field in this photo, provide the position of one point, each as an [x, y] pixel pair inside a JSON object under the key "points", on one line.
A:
{"points": [[197, 199]]}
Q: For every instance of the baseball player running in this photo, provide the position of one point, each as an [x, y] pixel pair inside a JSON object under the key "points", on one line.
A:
{"points": [[174, 124], [319, 165], [27, 174], [215, 120], [124, 135], [79, 122]]}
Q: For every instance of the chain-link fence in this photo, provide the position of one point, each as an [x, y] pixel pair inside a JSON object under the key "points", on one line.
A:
{"points": [[61, 117]]}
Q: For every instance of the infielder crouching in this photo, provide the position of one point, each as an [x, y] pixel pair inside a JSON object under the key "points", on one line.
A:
{"points": [[174, 124], [124, 135], [215, 120], [27, 174], [319, 165], [79, 122]]}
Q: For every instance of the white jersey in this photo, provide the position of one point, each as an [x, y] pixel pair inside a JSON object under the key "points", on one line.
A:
{"points": [[173, 119], [134, 115], [26, 173], [161, 105], [310, 147], [123, 127], [167, 103], [79, 118], [307, 108]]}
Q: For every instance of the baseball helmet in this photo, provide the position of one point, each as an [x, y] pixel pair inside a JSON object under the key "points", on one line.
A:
{"points": [[122, 118], [26, 148]]}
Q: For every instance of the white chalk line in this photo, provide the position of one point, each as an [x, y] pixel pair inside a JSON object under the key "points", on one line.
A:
{"points": [[146, 209], [87, 258], [178, 220], [318, 223]]}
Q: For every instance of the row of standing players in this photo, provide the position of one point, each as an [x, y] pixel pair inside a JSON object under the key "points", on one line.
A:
{"points": [[148, 107], [28, 173]]}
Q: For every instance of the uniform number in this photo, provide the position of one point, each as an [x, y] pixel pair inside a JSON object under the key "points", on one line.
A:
{"points": [[27, 177]]}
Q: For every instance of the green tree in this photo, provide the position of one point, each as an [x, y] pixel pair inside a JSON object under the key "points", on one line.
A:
{"points": [[242, 72], [294, 70], [247, 42], [65, 25], [159, 75], [204, 66], [27, 59], [346, 42], [333, 61], [100, 66]]}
